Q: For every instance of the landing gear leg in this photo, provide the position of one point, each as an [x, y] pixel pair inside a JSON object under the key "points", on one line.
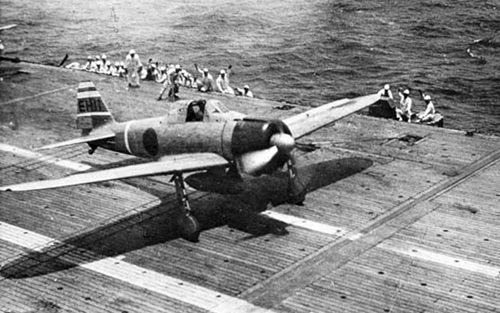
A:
{"points": [[189, 226], [296, 189]]}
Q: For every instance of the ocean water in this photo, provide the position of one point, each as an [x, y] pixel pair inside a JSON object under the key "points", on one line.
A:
{"points": [[302, 52]]}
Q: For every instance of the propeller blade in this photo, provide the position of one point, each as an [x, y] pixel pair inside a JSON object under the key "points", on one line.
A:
{"points": [[254, 161], [284, 142]]}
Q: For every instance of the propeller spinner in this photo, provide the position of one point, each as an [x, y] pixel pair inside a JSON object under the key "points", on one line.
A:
{"points": [[274, 148]]}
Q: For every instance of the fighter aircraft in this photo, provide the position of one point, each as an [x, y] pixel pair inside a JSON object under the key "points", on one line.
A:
{"points": [[194, 136]]}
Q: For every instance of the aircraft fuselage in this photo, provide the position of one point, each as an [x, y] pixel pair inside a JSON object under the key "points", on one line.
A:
{"points": [[155, 137]]}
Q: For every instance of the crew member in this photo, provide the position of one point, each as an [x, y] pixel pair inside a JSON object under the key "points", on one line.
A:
{"points": [[172, 82], [246, 92], [122, 71], [405, 110], [223, 82], [187, 79], [162, 75], [114, 70], [133, 64], [105, 65], [206, 82], [386, 92], [195, 111], [430, 111]]}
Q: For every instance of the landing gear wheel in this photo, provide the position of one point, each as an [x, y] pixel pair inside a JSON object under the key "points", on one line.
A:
{"points": [[296, 196], [188, 225], [189, 228], [92, 149]]}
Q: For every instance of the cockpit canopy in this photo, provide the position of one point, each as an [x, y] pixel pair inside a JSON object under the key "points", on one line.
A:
{"points": [[184, 111]]}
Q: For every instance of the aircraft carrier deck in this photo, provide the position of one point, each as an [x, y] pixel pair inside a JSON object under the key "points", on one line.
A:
{"points": [[398, 218]]}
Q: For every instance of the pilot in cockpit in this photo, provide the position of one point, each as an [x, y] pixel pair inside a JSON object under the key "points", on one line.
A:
{"points": [[195, 111]]}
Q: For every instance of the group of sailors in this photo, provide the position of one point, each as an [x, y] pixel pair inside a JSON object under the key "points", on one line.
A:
{"points": [[171, 76], [404, 111], [100, 64]]}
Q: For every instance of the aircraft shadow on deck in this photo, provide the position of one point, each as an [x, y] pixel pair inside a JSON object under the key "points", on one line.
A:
{"points": [[158, 224]]}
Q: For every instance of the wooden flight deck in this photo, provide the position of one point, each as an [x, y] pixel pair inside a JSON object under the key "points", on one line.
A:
{"points": [[398, 217]]}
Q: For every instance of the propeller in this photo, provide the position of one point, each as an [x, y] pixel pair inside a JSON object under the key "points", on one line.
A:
{"points": [[268, 160], [256, 162]]}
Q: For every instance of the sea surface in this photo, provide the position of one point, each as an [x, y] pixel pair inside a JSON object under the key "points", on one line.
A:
{"points": [[305, 52]]}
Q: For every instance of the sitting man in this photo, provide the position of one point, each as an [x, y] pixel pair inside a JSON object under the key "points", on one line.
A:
{"points": [[195, 111], [430, 111], [222, 82], [404, 112], [205, 83], [246, 92]]}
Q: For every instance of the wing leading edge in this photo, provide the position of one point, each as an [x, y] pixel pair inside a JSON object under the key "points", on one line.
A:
{"points": [[307, 122], [166, 165]]}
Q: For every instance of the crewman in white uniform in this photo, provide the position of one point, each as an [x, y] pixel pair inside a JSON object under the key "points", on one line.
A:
{"points": [[222, 82], [406, 103], [133, 64], [386, 92], [430, 110]]}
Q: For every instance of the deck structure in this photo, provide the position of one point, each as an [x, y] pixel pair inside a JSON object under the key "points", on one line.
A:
{"points": [[398, 218]]}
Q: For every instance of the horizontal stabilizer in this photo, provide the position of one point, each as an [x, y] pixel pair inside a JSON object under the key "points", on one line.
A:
{"points": [[307, 122], [167, 165], [84, 139]]}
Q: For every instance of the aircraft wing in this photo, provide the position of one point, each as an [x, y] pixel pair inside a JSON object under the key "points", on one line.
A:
{"points": [[84, 139], [307, 122], [166, 165]]}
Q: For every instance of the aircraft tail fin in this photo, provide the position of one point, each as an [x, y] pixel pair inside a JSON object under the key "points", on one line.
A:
{"points": [[92, 112]]}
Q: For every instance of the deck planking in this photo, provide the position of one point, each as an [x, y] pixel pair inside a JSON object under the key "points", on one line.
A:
{"points": [[386, 192]]}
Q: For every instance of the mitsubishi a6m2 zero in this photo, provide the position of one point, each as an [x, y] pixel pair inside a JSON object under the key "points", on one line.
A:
{"points": [[194, 136]]}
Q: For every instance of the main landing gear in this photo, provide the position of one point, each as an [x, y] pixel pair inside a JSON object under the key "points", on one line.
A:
{"points": [[296, 189], [189, 226]]}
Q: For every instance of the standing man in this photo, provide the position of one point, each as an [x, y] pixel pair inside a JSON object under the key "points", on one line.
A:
{"points": [[172, 82], [132, 65]]}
